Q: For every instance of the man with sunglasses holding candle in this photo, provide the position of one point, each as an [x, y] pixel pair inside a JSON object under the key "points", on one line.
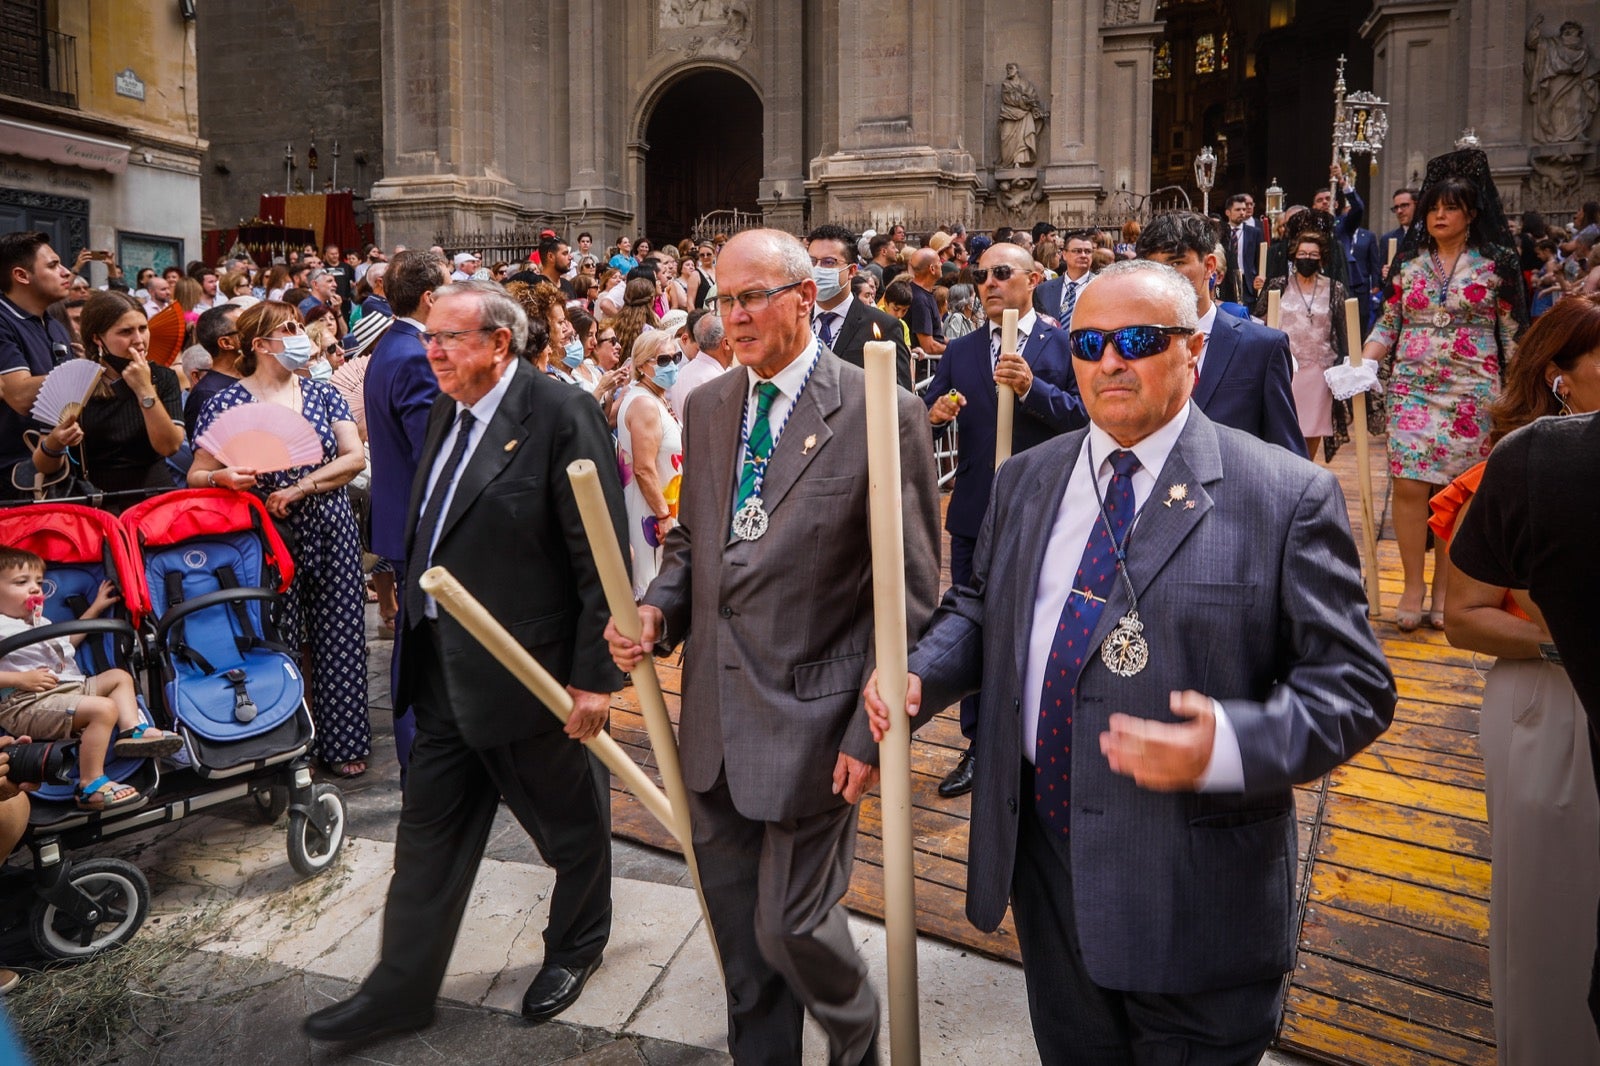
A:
{"points": [[963, 391], [1168, 627]]}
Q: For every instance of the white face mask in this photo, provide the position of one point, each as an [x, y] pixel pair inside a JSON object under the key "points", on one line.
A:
{"points": [[830, 281], [296, 351], [321, 370]]}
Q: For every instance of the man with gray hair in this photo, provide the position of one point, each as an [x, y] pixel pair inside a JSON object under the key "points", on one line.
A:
{"points": [[1168, 629], [711, 361], [775, 752], [377, 303], [492, 503]]}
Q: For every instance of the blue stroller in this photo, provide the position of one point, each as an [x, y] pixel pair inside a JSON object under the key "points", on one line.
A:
{"points": [[195, 569]]}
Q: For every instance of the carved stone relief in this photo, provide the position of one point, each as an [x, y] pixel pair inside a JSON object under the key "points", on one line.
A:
{"points": [[1120, 12], [718, 29]]}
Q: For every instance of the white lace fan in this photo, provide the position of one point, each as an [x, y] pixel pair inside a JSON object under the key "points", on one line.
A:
{"points": [[262, 437], [65, 391]]}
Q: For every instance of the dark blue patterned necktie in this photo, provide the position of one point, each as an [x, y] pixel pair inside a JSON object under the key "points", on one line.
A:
{"points": [[1091, 587], [1069, 300]]}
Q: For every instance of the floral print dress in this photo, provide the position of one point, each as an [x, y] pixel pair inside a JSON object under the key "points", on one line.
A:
{"points": [[1445, 365]]}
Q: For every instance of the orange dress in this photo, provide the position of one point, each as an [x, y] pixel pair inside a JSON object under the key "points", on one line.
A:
{"points": [[1447, 505]]}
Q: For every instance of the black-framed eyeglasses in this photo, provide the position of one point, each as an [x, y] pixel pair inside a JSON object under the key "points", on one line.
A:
{"points": [[1001, 273], [1132, 342], [446, 339], [828, 262], [669, 358], [606, 340], [754, 300]]}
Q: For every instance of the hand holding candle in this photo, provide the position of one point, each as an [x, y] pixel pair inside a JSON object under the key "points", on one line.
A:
{"points": [[1358, 425], [1005, 396]]}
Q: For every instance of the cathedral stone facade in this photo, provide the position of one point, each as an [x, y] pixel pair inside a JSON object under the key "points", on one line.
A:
{"points": [[640, 116]]}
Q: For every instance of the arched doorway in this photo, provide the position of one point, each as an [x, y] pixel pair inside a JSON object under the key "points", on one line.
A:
{"points": [[705, 152]]}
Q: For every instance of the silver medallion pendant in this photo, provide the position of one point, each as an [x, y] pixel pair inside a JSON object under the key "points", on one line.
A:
{"points": [[1125, 651], [750, 520], [1441, 318]]}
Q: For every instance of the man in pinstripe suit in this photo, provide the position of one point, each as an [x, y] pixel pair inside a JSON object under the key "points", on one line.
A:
{"points": [[1167, 624]]}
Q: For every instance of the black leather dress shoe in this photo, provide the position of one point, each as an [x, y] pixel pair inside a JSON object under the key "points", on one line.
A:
{"points": [[554, 989], [959, 783], [364, 1017]]}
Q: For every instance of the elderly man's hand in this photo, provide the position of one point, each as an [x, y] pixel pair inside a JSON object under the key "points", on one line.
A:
{"points": [[1163, 756], [852, 778], [589, 713]]}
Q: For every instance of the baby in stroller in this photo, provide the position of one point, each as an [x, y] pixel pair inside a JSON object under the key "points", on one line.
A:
{"points": [[44, 696]]}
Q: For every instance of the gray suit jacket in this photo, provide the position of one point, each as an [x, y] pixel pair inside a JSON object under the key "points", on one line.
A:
{"points": [[781, 628], [1253, 596]]}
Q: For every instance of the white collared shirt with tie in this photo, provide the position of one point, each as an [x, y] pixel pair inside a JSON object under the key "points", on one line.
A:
{"points": [[1070, 291], [482, 412], [827, 321], [1075, 517]]}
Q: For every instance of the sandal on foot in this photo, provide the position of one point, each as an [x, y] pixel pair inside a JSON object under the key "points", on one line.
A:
{"points": [[353, 768], [103, 794], [146, 742], [1436, 620], [1407, 621]]}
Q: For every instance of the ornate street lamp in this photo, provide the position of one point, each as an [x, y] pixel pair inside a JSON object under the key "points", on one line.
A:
{"points": [[1205, 176], [1274, 207]]}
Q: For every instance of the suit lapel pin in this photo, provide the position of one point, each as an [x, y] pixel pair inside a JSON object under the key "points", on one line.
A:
{"points": [[1188, 505], [811, 442], [511, 445], [1176, 494]]}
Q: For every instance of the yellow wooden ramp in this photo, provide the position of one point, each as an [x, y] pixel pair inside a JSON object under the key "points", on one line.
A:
{"points": [[1394, 876]]}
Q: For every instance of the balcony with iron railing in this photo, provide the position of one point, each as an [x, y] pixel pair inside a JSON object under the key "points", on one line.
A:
{"points": [[41, 66]]}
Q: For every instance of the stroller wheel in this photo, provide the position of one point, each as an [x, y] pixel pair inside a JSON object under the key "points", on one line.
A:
{"points": [[122, 896], [313, 849], [271, 803]]}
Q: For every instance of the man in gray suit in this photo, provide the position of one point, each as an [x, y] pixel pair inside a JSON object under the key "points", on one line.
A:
{"points": [[768, 571], [1167, 625]]}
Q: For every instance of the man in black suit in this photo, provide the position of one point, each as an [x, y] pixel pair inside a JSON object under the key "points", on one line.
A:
{"points": [[1056, 298], [1242, 378], [497, 510], [1402, 206], [840, 321]]}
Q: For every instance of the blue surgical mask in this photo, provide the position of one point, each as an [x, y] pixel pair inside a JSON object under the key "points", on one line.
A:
{"points": [[321, 370], [666, 376], [829, 281], [572, 353], [296, 351]]}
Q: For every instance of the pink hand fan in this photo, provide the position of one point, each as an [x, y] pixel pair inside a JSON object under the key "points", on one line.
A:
{"points": [[263, 437], [65, 391], [350, 379]]}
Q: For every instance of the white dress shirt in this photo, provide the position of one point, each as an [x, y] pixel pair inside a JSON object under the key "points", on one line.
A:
{"points": [[1068, 285], [482, 413], [838, 322], [1207, 322], [788, 380], [1075, 517], [1025, 326], [699, 370]]}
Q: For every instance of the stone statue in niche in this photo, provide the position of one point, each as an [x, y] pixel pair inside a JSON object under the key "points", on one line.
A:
{"points": [[728, 21], [1120, 12], [1020, 118], [1564, 90]]}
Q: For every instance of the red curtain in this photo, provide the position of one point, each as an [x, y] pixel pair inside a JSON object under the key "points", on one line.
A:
{"points": [[337, 219]]}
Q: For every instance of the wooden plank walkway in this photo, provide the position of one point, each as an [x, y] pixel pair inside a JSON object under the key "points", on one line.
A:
{"points": [[1394, 847]]}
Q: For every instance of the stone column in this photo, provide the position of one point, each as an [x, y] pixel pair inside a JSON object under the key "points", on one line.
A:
{"points": [[899, 154], [1127, 56], [783, 189], [443, 146], [1075, 179], [597, 196], [1417, 66]]}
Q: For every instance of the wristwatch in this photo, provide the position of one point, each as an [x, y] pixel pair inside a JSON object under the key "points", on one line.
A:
{"points": [[147, 402], [1550, 653]]}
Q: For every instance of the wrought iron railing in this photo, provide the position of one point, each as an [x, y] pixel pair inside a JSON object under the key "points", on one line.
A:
{"points": [[38, 64]]}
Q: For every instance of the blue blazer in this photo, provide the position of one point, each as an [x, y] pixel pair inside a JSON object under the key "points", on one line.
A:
{"points": [[1051, 407], [1047, 299], [1241, 276], [399, 391], [1244, 382], [1363, 261], [1251, 594]]}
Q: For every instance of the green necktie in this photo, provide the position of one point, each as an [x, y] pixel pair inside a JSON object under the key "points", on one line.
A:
{"points": [[760, 444]]}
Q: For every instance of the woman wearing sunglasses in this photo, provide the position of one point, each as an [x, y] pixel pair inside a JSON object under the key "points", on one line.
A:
{"points": [[650, 451]]}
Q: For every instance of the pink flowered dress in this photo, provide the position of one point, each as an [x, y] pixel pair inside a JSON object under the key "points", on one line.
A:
{"points": [[1443, 377]]}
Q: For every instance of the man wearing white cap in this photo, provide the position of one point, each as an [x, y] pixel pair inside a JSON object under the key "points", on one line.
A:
{"points": [[466, 266]]}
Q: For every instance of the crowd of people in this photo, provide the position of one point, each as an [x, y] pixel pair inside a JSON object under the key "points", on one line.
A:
{"points": [[1148, 361]]}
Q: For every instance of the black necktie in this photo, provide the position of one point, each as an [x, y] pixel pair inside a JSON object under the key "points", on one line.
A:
{"points": [[827, 323], [422, 541]]}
